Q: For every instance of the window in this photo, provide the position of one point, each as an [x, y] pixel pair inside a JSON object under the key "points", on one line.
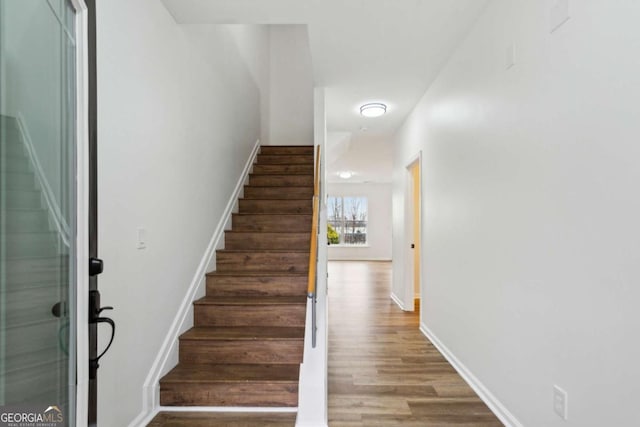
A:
{"points": [[347, 221]]}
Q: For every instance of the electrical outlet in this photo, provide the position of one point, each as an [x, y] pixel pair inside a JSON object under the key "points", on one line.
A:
{"points": [[560, 402]]}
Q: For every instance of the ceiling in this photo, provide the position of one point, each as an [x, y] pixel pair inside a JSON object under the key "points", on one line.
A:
{"points": [[362, 50]]}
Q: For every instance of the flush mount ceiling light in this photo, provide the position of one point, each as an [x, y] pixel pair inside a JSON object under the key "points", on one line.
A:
{"points": [[345, 174], [373, 109]]}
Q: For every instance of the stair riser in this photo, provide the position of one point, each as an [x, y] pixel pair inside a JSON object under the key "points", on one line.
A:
{"points": [[225, 394], [272, 223], [30, 245], [277, 261], [284, 160], [15, 164], [276, 206], [24, 221], [18, 181], [281, 180], [278, 192], [43, 338], [283, 169], [14, 150], [290, 150], [35, 304], [267, 241], [224, 286], [23, 199], [241, 351], [264, 315], [27, 271]]}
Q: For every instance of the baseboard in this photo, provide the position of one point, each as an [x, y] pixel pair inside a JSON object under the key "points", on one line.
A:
{"points": [[54, 211], [163, 362], [397, 300], [500, 411]]}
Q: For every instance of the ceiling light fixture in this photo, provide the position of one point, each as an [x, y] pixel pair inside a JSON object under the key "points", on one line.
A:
{"points": [[345, 174], [373, 109]]}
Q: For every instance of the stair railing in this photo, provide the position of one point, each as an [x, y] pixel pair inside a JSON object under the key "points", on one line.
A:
{"points": [[313, 253]]}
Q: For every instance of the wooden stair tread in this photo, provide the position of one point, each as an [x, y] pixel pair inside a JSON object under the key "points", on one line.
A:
{"points": [[259, 251], [261, 273], [252, 301], [249, 333], [232, 373]]}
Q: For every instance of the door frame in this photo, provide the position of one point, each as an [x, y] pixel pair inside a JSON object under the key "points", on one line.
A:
{"points": [[82, 212], [409, 233]]}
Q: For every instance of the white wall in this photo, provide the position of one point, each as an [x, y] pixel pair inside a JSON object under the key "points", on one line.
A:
{"points": [[178, 116], [254, 45], [291, 91], [531, 236], [379, 227]]}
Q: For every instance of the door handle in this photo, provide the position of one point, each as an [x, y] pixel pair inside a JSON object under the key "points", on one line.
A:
{"points": [[95, 318], [413, 246], [59, 309]]}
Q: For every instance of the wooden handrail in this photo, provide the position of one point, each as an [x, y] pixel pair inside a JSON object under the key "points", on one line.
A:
{"points": [[313, 252]]}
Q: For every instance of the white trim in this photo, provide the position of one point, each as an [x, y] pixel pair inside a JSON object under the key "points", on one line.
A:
{"points": [[182, 321], [82, 214], [395, 299], [409, 232], [55, 214], [313, 409], [503, 414]]}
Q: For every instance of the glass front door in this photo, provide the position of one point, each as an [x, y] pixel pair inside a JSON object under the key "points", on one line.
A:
{"points": [[38, 205]]}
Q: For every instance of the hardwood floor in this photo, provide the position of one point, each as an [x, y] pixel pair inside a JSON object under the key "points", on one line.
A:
{"points": [[382, 370]]}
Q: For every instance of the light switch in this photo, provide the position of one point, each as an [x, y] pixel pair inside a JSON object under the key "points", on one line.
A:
{"points": [[510, 56], [559, 15], [141, 234]]}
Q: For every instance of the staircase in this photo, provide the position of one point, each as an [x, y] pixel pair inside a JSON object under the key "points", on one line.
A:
{"points": [[33, 276], [247, 343]]}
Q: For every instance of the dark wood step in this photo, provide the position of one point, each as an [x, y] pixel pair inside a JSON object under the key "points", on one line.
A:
{"points": [[252, 240], [291, 261], [287, 149], [280, 180], [262, 283], [256, 192], [279, 159], [292, 206], [271, 223], [248, 344], [231, 385], [283, 169], [250, 311], [226, 419]]}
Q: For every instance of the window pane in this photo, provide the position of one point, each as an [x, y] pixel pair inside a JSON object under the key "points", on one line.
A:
{"points": [[347, 220]]}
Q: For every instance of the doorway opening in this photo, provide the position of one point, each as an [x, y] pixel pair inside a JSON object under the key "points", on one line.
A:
{"points": [[413, 240]]}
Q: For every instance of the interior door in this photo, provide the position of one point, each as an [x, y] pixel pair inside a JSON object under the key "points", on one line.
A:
{"points": [[38, 205]]}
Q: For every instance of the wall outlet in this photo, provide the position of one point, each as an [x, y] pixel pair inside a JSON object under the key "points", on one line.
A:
{"points": [[141, 235], [560, 402]]}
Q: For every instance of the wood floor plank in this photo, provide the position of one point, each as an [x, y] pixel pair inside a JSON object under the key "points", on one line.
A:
{"points": [[382, 370]]}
